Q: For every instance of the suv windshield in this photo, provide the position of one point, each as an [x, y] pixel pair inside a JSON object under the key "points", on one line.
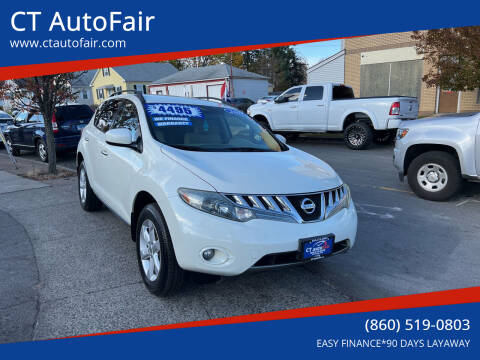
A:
{"points": [[208, 128]]}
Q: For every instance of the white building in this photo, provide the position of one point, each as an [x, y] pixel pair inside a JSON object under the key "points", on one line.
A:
{"points": [[331, 69], [208, 82], [82, 87]]}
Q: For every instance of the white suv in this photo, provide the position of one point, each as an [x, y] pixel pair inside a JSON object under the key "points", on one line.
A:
{"points": [[204, 188]]}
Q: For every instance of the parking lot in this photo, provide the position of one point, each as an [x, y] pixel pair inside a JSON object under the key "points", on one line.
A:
{"points": [[84, 275]]}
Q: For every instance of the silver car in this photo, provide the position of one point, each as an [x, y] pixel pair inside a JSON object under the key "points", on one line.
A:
{"points": [[437, 154]]}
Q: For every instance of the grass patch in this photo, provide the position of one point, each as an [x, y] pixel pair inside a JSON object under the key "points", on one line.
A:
{"points": [[40, 175]]}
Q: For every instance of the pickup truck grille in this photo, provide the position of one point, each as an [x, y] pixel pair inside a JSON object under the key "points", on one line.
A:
{"points": [[301, 207]]}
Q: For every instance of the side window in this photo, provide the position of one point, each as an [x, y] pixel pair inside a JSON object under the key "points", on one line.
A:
{"points": [[105, 116], [100, 94], [292, 94], [127, 117], [36, 118], [313, 93], [21, 117]]}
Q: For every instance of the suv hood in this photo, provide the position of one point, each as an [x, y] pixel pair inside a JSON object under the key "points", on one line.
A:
{"points": [[287, 172]]}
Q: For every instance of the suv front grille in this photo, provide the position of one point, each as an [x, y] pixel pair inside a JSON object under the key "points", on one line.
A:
{"points": [[301, 207]]}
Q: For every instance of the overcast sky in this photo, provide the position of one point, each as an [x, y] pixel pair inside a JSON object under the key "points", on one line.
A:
{"points": [[314, 52]]}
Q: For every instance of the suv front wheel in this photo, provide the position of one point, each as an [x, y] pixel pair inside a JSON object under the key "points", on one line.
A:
{"points": [[435, 175], [156, 257]]}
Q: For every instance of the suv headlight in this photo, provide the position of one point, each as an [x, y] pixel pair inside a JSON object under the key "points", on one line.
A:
{"points": [[401, 133], [215, 204]]}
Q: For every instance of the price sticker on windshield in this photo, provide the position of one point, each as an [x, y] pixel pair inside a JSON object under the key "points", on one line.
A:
{"points": [[174, 110]]}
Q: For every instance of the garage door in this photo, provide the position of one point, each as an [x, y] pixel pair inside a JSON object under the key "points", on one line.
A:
{"points": [[214, 91], [400, 78]]}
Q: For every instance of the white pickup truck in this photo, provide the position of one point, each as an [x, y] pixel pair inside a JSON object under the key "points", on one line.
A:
{"points": [[329, 107]]}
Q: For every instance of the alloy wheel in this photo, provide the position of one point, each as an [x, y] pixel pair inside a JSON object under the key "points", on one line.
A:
{"points": [[357, 136], [82, 185], [150, 250]]}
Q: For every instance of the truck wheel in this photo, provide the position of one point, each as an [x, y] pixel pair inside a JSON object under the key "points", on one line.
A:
{"points": [[42, 150], [383, 137], [156, 258], [14, 150], [435, 175], [358, 136], [88, 199]]}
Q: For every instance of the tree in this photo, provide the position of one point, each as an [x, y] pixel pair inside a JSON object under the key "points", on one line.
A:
{"points": [[207, 60], [281, 65], [42, 94], [454, 54]]}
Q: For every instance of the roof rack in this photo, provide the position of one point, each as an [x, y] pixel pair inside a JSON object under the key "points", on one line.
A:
{"points": [[139, 94]]}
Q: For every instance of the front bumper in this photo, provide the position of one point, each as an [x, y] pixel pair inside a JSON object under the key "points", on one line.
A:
{"points": [[398, 160], [246, 244]]}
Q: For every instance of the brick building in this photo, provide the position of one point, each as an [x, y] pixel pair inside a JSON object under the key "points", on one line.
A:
{"points": [[388, 64]]}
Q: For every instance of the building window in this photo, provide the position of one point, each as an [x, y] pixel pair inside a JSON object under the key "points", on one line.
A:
{"points": [[478, 96], [118, 89], [84, 95], [159, 92], [144, 89], [134, 87], [100, 93], [106, 71]]}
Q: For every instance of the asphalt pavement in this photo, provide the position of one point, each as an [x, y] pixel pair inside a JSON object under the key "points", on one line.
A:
{"points": [[88, 280]]}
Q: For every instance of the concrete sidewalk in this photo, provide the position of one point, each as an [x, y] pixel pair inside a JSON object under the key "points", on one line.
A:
{"points": [[19, 281], [11, 183]]}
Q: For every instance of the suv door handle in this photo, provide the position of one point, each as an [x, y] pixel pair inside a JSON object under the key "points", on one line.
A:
{"points": [[293, 107], [86, 138], [104, 152], [320, 105]]}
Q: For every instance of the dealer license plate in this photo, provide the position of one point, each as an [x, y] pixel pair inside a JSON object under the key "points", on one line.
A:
{"points": [[316, 247]]}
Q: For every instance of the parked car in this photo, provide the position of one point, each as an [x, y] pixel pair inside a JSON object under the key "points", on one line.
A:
{"points": [[205, 189], [330, 107], [28, 130], [5, 120], [240, 103], [266, 99], [437, 154]]}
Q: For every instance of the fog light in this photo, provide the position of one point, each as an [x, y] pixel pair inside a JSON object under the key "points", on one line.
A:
{"points": [[208, 254]]}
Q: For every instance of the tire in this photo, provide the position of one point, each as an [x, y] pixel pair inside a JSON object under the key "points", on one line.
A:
{"points": [[383, 137], [156, 257], [88, 200], [42, 150], [358, 136], [435, 175], [15, 151]]}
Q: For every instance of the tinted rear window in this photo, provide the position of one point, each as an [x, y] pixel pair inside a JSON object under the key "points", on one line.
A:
{"points": [[73, 112], [342, 92]]}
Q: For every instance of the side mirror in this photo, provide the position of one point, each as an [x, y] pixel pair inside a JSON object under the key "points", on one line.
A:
{"points": [[280, 99], [119, 137], [281, 138]]}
